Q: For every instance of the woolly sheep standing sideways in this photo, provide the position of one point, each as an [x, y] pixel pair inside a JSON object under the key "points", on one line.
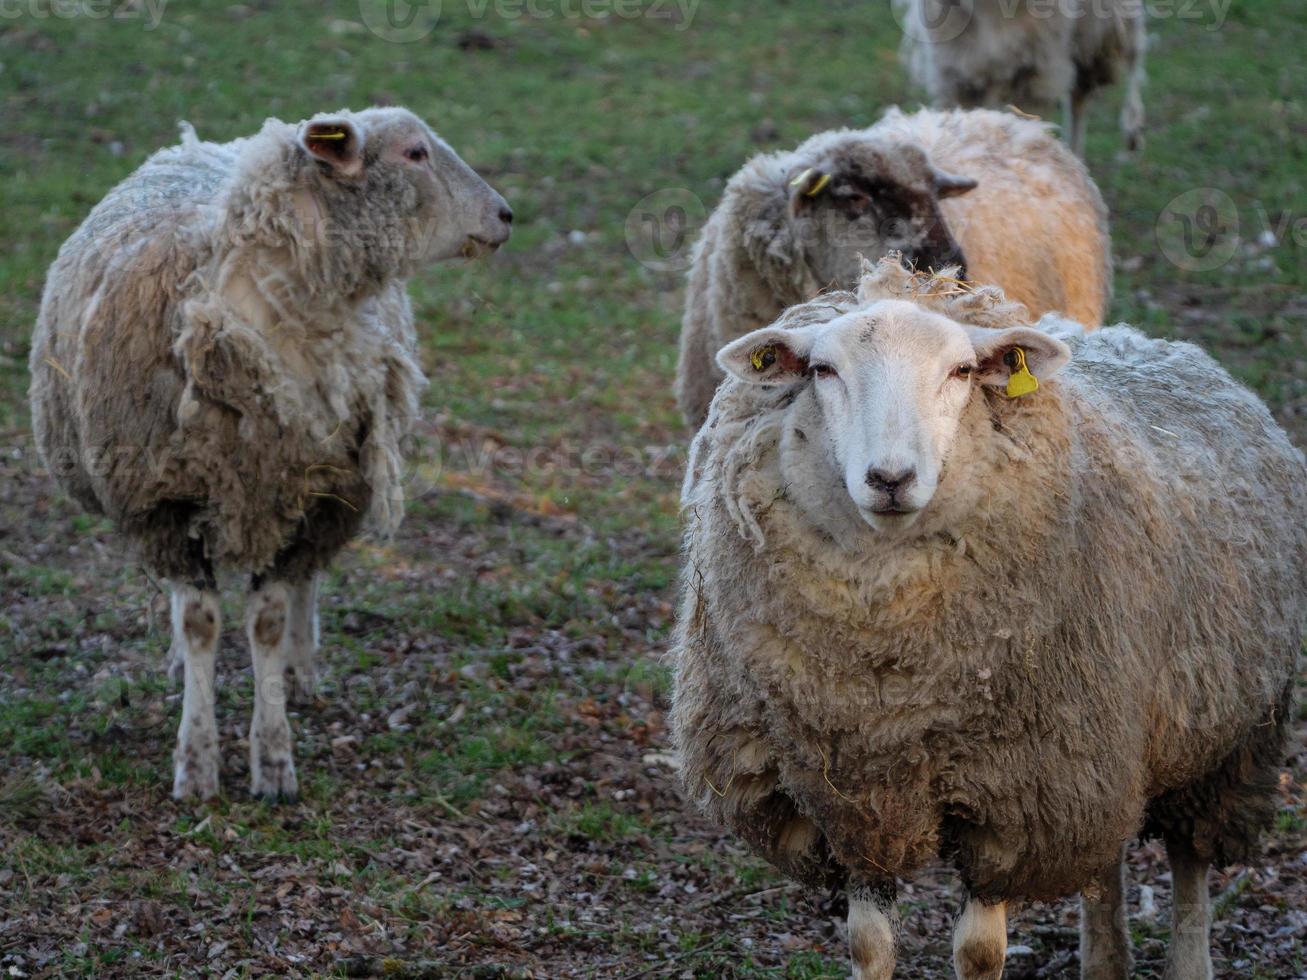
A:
{"points": [[922, 619], [1036, 55], [990, 191], [224, 363]]}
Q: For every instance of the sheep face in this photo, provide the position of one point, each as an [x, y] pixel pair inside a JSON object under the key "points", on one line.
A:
{"points": [[869, 198], [884, 389], [389, 186]]}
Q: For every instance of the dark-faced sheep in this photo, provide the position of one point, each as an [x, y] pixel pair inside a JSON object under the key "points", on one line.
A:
{"points": [[225, 363], [955, 589], [989, 191]]}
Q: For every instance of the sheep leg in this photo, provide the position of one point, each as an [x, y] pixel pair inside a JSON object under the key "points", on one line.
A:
{"points": [[272, 770], [980, 941], [303, 642], [1104, 940], [1077, 119], [1132, 107], [195, 632], [176, 661], [1190, 955], [873, 931]]}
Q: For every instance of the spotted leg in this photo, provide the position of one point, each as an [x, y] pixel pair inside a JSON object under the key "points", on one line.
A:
{"points": [[195, 631], [272, 768], [980, 941], [302, 648], [873, 930]]}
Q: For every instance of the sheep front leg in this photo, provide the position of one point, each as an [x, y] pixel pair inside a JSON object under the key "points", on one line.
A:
{"points": [[303, 643], [1104, 940], [1190, 955], [873, 931], [272, 770], [195, 632], [1077, 118], [980, 941]]}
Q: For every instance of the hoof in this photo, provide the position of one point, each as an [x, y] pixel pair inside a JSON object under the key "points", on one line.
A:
{"points": [[195, 764], [196, 780], [274, 779]]}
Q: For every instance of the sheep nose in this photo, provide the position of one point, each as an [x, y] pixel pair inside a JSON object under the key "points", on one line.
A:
{"points": [[887, 482], [506, 215]]}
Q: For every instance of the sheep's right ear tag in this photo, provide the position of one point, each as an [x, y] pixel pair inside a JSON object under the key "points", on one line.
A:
{"points": [[337, 144], [763, 357], [1020, 381]]}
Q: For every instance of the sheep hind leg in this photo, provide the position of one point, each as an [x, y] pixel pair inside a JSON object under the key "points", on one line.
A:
{"points": [[980, 941], [1104, 940], [873, 931], [272, 768], [196, 629], [1190, 954], [302, 649]]}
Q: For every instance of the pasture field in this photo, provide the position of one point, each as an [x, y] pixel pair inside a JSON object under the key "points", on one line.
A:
{"points": [[485, 785]]}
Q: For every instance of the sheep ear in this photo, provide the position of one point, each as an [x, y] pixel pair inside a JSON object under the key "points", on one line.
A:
{"points": [[336, 142], [807, 185], [998, 361], [951, 185], [770, 356]]}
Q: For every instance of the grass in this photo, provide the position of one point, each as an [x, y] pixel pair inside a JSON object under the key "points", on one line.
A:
{"points": [[500, 664]]}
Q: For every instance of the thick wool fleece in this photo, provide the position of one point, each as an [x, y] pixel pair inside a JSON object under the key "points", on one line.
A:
{"points": [[213, 372], [1096, 624], [1035, 225]]}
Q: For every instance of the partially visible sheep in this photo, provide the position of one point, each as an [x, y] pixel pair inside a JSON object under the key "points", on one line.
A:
{"points": [[989, 190], [225, 362], [923, 619], [1035, 55]]}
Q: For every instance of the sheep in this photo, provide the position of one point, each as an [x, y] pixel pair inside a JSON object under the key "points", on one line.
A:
{"points": [[225, 363], [1037, 55], [988, 190], [921, 619]]}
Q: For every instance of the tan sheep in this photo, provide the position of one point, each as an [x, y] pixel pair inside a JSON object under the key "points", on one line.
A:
{"points": [[225, 362], [1035, 55], [991, 191], [929, 613]]}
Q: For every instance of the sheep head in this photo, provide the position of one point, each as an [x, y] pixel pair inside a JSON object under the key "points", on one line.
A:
{"points": [[361, 199], [881, 392], [853, 195]]}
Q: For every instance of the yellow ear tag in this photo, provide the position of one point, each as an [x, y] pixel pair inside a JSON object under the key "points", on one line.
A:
{"points": [[818, 187], [1020, 381], [764, 357], [338, 135]]}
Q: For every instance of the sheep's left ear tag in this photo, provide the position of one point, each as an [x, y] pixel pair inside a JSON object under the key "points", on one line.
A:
{"points": [[811, 182], [1020, 381], [763, 357]]}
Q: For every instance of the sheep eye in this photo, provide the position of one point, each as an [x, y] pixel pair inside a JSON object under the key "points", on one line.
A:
{"points": [[417, 154], [963, 371], [823, 371]]}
